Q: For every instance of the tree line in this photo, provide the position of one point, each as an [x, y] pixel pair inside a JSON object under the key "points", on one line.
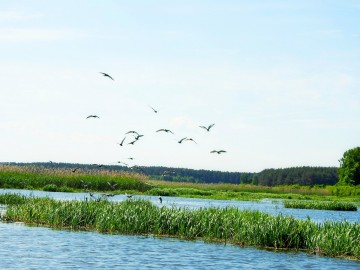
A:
{"points": [[268, 177]]}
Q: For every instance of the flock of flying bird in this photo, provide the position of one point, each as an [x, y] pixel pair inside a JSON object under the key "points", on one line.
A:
{"points": [[136, 137]]}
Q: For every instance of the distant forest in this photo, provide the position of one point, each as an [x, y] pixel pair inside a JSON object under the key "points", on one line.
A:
{"points": [[268, 177]]}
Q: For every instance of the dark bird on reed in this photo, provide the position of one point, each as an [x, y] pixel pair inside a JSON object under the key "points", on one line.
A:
{"points": [[207, 128], [112, 186], [107, 75], [74, 170], [160, 199], [165, 130], [155, 111], [92, 116], [121, 144], [183, 139], [218, 151], [190, 139]]}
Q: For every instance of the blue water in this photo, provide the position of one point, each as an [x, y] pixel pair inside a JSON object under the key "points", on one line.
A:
{"points": [[25, 247]]}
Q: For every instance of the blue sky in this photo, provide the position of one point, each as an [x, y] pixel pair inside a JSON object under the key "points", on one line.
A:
{"points": [[280, 80]]}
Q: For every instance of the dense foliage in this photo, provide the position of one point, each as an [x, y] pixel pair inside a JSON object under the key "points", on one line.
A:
{"points": [[349, 171], [298, 175]]}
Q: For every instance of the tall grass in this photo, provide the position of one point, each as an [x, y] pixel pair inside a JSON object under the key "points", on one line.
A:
{"points": [[52, 179], [321, 205], [241, 227], [12, 198]]}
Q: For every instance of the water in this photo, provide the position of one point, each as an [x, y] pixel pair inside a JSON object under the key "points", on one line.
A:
{"points": [[24, 247]]}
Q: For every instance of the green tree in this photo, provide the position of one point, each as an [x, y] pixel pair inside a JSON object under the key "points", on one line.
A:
{"points": [[349, 171]]}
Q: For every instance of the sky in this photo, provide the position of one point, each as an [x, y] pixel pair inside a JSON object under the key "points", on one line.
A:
{"points": [[279, 79]]}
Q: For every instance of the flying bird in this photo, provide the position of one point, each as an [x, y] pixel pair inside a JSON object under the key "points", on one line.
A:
{"points": [[107, 75], [120, 162], [121, 144], [155, 111], [166, 130], [92, 116], [183, 139], [132, 131], [160, 199], [138, 136], [133, 142], [190, 139], [207, 128], [218, 151], [74, 170]]}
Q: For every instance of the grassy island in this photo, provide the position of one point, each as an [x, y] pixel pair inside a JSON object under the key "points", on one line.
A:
{"points": [[227, 225]]}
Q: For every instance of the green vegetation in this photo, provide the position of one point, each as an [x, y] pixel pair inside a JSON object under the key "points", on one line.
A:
{"points": [[12, 198], [105, 180], [349, 172], [229, 225], [53, 179], [321, 205]]}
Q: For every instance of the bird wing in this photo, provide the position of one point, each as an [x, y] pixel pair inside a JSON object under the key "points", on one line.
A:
{"points": [[213, 151], [211, 126], [222, 151]]}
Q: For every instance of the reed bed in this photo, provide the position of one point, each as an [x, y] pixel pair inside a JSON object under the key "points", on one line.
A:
{"points": [[228, 225], [53, 179], [321, 205], [12, 198]]}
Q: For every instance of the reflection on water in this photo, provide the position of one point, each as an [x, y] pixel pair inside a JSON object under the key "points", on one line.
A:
{"points": [[23, 247]]}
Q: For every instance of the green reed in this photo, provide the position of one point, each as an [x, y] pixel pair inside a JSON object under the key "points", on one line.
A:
{"points": [[37, 177], [321, 205], [12, 198], [228, 225]]}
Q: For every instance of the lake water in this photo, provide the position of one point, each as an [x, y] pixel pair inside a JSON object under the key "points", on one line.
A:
{"points": [[25, 247]]}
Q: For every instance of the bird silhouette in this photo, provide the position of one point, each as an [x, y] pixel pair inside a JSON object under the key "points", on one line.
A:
{"points": [[155, 111], [92, 116], [129, 196], [190, 139], [120, 162], [218, 151], [132, 131], [183, 139], [107, 75], [207, 128], [74, 170], [138, 136], [160, 199], [166, 130], [133, 142], [121, 144]]}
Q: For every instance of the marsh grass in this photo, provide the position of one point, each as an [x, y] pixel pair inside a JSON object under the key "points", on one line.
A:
{"points": [[12, 198], [227, 225], [321, 205], [53, 179]]}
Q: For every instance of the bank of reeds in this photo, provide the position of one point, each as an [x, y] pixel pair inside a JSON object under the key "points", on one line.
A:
{"points": [[321, 205], [12, 198], [229, 225], [53, 179]]}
